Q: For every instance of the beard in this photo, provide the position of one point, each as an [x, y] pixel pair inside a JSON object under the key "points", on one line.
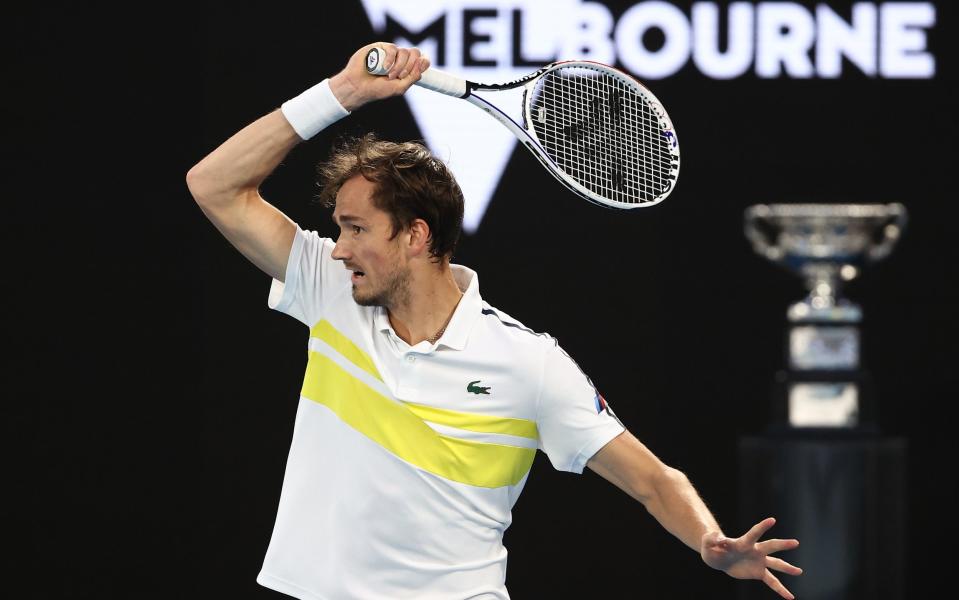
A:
{"points": [[395, 291]]}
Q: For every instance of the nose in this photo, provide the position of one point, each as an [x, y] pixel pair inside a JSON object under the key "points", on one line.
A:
{"points": [[339, 251]]}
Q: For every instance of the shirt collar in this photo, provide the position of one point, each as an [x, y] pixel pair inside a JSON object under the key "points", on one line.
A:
{"points": [[464, 317]]}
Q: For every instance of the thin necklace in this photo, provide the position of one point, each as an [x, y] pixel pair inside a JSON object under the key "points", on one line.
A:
{"points": [[439, 333], [436, 336]]}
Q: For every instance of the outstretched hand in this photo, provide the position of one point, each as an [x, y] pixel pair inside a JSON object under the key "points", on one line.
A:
{"points": [[747, 558], [354, 86]]}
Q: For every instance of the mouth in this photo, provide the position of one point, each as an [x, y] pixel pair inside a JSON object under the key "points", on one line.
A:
{"points": [[357, 274]]}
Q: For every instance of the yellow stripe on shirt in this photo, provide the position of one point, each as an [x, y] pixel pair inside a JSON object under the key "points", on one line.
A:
{"points": [[325, 331], [476, 422], [395, 427]]}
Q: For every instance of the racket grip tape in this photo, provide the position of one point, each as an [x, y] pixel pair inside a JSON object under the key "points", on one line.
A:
{"points": [[432, 79]]}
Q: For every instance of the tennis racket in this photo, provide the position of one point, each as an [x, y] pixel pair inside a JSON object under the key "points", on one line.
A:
{"points": [[597, 130]]}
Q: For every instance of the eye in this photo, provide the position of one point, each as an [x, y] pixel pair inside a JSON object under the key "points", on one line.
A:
{"points": [[356, 229]]}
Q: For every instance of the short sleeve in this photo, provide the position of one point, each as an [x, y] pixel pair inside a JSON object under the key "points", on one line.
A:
{"points": [[574, 420], [312, 278]]}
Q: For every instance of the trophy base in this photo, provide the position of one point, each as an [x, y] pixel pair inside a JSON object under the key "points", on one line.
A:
{"points": [[846, 496]]}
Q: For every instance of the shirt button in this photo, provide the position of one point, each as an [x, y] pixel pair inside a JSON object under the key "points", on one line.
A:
{"points": [[410, 358]]}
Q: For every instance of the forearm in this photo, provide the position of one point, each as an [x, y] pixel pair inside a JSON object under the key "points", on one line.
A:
{"points": [[241, 164], [677, 506], [665, 492]]}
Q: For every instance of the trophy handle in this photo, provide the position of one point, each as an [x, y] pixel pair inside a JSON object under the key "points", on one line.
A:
{"points": [[761, 239], [895, 223]]}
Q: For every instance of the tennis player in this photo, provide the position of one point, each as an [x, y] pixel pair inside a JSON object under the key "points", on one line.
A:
{"points": [[422, 406]]}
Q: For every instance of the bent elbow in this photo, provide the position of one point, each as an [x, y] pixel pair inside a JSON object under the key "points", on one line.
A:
{"points": [[666, 481], [671, 476], [196, 182]]}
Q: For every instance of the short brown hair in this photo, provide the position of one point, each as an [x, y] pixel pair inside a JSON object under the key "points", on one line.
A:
{"points": [[409, 183]]}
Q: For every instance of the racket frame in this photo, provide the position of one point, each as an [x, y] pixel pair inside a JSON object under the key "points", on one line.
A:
{"points": [[450, 85]]}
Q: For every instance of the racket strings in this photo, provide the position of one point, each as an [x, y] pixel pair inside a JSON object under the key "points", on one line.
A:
{"points": [[603, 134]]}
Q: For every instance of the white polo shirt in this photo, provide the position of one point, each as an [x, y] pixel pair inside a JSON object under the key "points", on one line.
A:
{"points": [[406, 461]]}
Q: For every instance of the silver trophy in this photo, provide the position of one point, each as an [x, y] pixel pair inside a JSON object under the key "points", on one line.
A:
{"points": [[827, 245]]}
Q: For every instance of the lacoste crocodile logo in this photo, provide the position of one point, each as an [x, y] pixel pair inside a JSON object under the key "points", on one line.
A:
{"points": [[475, 389]]}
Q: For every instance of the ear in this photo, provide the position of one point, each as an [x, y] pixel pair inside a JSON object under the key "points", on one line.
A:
{"points": [[420, 236]]}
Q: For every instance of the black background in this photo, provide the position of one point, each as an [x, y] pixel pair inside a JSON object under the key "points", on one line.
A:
{"points": [[151, 393]]}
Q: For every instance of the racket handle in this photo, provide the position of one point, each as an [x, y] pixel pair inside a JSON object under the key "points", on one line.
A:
{"points": [[432, 79]]}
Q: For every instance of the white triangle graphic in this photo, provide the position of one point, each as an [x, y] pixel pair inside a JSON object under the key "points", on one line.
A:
{"points": [[475, 147]]}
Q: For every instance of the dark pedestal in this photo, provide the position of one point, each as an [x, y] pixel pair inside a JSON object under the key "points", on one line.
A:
{"points": [[843, 497]]}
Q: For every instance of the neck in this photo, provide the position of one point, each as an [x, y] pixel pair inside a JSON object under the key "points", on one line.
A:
{"points": [[433, 296]]}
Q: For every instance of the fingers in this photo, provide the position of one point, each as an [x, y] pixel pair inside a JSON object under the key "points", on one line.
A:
{"points": [[424, 63], [401, 61], [782, 566], [771, 546], [354, 86], [416, 71], [770, 580], [752, 536]]}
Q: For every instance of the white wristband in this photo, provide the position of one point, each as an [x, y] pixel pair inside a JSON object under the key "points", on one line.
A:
{"points": [[314, 110]]}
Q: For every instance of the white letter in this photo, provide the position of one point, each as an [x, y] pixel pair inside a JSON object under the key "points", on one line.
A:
{"points": [[589, 36], [739, 50], [901, 51], [786, 32], [837, 38], [636, 21]]}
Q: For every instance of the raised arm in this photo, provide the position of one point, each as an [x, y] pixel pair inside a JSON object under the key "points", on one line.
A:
{"points": [[669, 496], [226, 183]]}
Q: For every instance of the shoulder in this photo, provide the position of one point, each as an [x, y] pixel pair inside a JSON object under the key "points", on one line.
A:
{"points": [[500, 326], [528, 347]]}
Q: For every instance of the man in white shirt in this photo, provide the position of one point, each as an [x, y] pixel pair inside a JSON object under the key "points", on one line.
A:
{"points": [[422, 406]]}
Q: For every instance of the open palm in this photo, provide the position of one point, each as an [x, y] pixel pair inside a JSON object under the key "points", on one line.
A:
{"points": [[747, 558]]}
